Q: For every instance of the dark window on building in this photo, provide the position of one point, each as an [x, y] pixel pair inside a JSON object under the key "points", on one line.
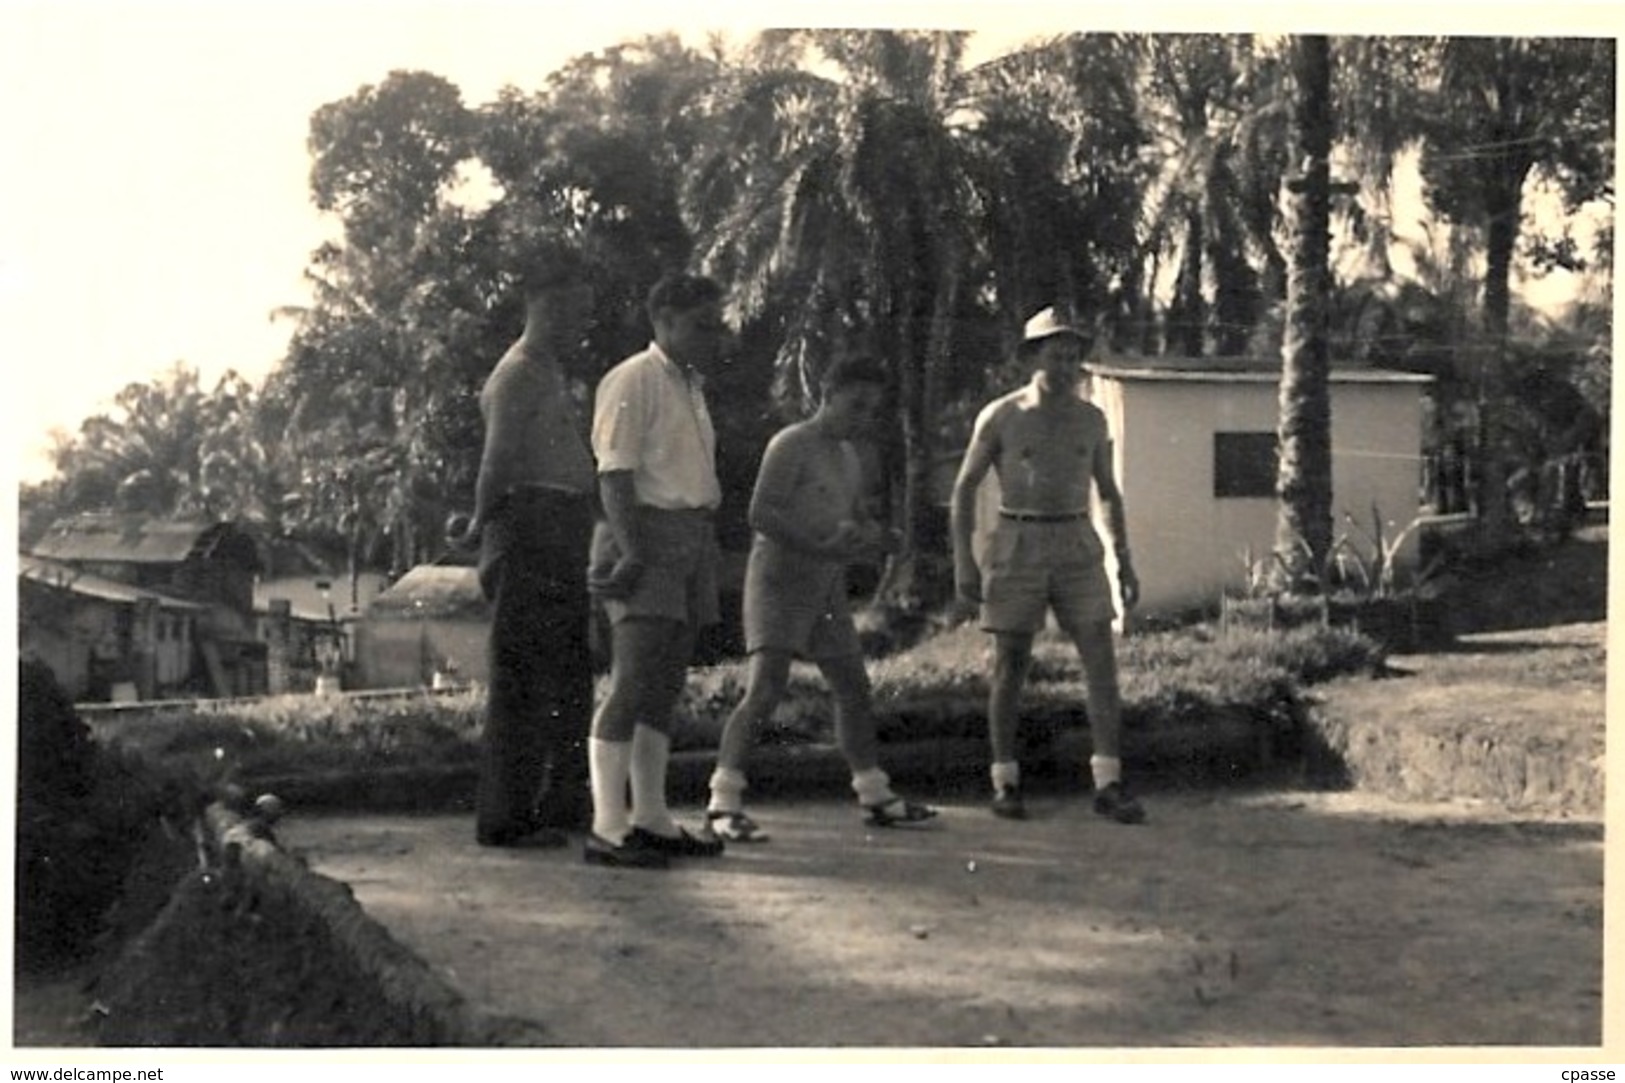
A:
{"points": [[1244, 464]]}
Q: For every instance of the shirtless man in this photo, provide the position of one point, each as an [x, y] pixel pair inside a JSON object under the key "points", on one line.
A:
{"points": [[810, 522], [1047, 446], [532, 521]]}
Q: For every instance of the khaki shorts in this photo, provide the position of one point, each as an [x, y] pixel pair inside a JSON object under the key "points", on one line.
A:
{"points": [[679, 580], [797, 604], [1033, 567]]}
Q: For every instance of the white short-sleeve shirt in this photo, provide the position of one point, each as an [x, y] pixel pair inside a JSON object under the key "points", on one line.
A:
{"points": [[650, 417]]}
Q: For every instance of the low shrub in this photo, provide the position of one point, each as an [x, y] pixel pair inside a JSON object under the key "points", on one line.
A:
{"points": [[289, 734], [937, 688], [84, 813]]}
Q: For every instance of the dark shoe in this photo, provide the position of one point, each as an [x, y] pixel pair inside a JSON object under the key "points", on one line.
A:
{"points": [[897, 812], [1114, 803], [525, 838], [600, 851], [684, 845], [1007, 803]]}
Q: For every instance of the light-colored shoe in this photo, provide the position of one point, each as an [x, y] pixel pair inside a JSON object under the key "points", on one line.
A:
{"points": [[734, 827]]}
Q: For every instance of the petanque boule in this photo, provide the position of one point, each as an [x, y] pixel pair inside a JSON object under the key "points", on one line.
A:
{"points": [[269, 807], [458, 533]]}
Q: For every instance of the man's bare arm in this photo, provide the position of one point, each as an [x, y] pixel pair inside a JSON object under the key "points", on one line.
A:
{"points": [[772, 502], [505, 415], [962, 511], [619, 497], [1111, 500]]}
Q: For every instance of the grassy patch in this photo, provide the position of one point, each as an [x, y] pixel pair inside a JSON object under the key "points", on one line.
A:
{"points": [[1515, 718]]}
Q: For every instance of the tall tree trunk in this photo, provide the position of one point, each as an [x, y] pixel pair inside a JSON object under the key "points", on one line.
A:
{"points": [[1505, 208], [903, 584], [1188, 316], [896, 587], [1303, 531]]}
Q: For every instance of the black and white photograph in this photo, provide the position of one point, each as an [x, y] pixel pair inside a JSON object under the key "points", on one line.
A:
{"points": [[940, 534]]}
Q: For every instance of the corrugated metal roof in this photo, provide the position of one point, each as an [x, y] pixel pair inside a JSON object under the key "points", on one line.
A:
{"points": [[432, 590], [62, 577], [134, 539], [125, 538]]}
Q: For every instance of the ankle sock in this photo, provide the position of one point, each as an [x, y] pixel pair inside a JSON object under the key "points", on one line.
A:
{"points": [[873, 787], [727, 790], [609, 764], [651, 752], [1006, 775], [1105, 770]]}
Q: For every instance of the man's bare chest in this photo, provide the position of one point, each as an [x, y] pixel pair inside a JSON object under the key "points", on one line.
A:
{"points": [[1062, 441]]}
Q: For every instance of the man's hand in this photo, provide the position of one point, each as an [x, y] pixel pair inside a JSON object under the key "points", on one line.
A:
{"points": [[968, 585], [463, 532], [1128, 585], [616, 582]]}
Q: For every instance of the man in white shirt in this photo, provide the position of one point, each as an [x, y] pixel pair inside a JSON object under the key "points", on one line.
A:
{"points": [[654, 566]]}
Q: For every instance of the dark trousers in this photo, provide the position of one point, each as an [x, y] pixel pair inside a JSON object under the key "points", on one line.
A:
{"points": [[533, 567]]}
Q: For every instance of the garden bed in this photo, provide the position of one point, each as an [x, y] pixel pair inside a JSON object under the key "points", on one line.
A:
{"points": [[1196, 701]]}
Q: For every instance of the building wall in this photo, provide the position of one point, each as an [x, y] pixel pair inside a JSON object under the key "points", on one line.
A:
{"points": [[1189, 545], [66, 636], [404, 653]]}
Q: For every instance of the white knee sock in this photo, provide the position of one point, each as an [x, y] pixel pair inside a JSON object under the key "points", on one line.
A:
{"points": [[1006, 775], [651, 752], [727, 790], [873, 787], [1105, 770], [609, 765]]}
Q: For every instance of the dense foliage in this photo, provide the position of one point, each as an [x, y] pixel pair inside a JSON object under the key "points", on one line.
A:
{"points": [[872, 190]]}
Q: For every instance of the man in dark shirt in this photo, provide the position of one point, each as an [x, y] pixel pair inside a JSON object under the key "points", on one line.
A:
{"points": [[533, 519]]}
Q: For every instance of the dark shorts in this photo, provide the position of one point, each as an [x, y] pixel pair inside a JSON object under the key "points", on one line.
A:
{"points": [[797, 604], [1035, 567], [679, 580]]}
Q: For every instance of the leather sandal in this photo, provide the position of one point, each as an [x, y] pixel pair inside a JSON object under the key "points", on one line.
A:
{"points": [[734, 827]]}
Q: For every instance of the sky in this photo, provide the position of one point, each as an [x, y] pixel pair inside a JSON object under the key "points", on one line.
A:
{"points": [[157, 206]]}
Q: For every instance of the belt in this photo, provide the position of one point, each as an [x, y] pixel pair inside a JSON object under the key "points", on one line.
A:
{"points": [[685, 513], [1042, 516], [541, 488]]}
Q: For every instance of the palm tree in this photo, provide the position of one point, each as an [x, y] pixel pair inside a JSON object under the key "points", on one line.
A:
{"points": [[1303, 534], [902, 200], [1216, 111], [172, 449], [846, 211], [1060, 172]]}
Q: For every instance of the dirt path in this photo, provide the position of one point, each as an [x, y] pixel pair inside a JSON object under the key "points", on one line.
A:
{"points": [[1229, 920]]}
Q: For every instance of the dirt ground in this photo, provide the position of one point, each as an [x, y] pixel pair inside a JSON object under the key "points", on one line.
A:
{"points": [[1231, 919], [1244, 919]]}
